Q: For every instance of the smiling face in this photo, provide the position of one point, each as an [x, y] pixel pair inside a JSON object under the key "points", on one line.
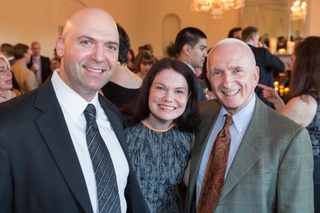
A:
{"points": [[89, 50], [232, 74], [168, 98], [5, 76]]}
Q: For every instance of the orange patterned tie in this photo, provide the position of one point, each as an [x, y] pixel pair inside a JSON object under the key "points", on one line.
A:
{"points": [[215, 171]]}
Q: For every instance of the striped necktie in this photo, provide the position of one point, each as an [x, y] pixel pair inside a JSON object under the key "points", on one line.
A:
{"points": [[107, 188]]}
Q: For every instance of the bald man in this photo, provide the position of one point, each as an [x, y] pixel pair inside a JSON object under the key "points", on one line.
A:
{"points": [[39, 64], [44, 159], [268, 162]]}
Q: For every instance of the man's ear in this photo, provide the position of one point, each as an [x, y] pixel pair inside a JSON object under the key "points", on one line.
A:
{"points": [[256, 76], [186, 49], [60, 46]]}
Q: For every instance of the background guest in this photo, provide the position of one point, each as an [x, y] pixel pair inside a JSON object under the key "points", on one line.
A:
{"points": [[304, 99], [39, 64], [160, 139], [55, 63], [25, 77], [130, 59], [143, 63], [7, 51], [124, 85], [190, 45], [5, 80], [235, 33], [269, 65]]}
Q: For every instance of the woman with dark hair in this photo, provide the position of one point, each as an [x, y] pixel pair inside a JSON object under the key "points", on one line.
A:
{"points": [[130, 59], [143, 63], [304, 99], [160, 137], [124, 85]]}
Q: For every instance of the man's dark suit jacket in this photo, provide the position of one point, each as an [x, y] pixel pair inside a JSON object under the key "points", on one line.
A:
{"points": [[39, 167], [267, 63], [45, 67]]}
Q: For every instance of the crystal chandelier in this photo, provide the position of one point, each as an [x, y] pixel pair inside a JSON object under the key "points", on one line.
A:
{"points": [[217, 7], [298, 10]]}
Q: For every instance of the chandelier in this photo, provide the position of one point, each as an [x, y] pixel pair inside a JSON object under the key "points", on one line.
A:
{"points": [[298, 10], [217, 7]]}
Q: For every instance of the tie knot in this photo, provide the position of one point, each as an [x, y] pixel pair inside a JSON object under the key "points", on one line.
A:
{"points": [[229, 121], [90, 112]]}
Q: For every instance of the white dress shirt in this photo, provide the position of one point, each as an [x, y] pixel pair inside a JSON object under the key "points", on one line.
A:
{"points": [[73, 105], [240, 123]]}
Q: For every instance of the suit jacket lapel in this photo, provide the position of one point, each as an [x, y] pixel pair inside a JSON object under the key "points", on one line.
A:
{"points": [[250, 149], [209, 111], [53, 128]]}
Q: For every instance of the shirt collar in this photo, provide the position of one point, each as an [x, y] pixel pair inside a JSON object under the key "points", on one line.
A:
{"points": [[191, 67], [241, 118], [68, 99]]}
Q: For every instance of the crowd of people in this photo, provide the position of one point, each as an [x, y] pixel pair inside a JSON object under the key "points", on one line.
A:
{"points": [[104, 130]]}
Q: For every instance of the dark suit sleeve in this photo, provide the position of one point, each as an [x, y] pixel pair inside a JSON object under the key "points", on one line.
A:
{"points": [[46, 71], [30, 63], [274, 62], [6, 188]]}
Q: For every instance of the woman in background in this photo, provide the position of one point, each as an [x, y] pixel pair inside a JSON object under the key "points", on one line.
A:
{"points": [[124, 84], [54, 63], [130, 59], [5, 80], [160, 136], [304, 103], [143, 63]]}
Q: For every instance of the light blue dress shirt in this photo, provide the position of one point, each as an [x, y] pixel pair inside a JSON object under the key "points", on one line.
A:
{"points": [[240, 123]]}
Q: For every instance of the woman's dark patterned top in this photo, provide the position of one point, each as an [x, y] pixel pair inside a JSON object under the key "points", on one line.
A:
{"points": [[314, 128], [159, 159]]}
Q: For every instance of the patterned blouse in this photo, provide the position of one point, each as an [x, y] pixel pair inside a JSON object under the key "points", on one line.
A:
{"points": [[314, 128], [159, 159]]}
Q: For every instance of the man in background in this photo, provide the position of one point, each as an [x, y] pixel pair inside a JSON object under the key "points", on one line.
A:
{"points": [[25, 77], [39, 64], [269, 65], [6, 50], [190, 45], [235, 33]]}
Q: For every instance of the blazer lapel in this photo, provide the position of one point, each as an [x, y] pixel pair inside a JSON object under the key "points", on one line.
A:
{"points": [[209, 111], [53, 128], [250, 149]]}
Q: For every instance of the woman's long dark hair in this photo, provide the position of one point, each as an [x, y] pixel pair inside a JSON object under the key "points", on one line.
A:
{"points": [[306, 69]]}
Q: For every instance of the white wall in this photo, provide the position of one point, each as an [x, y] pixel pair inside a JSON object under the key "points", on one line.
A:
{"points": [[29, 20], [39, 20]]}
